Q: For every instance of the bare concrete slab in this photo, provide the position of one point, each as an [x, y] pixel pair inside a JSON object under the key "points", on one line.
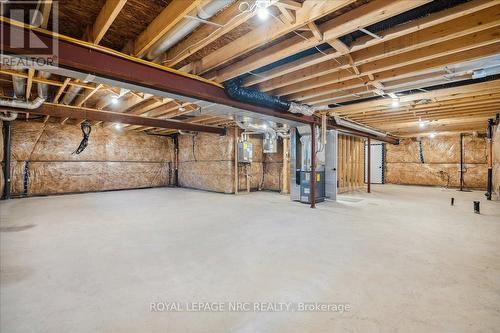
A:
{"points": [[402, 259]]}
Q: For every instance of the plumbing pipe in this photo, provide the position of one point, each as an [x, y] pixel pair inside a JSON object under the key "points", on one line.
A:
{"points": [[368, 171], [7, 153], [185, 27]]}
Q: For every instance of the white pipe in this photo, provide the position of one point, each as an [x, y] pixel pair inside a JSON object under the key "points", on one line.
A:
{"points": [[185, 27], [358, 127], [35, 104]]}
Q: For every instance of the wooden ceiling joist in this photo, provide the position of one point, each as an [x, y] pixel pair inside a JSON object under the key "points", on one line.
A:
{"points": [[362, 16], [229, 19], [387, 35], [310, 11], [167, 19], [106, 16]]}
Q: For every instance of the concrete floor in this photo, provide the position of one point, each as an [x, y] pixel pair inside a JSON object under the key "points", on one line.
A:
{"points": [[402, 258]]}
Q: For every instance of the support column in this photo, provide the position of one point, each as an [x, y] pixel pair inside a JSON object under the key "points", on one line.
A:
{"points": [[6, 166], [369, 166], [312, 183], [236, 175], [285, 187]]}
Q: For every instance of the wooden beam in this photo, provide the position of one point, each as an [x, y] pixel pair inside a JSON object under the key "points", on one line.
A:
{"points": [[410, 29], [61, 90], [229, 19], [389, 74], [315, 31], [362, 16], [57, 110], [106, 16], [310, 11], [167, 19], [86, 95], [29, 82], [455, 92], [419, 56]]}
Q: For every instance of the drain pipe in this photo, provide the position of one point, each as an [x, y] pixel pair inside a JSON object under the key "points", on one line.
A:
{"points": [[6, 165]]}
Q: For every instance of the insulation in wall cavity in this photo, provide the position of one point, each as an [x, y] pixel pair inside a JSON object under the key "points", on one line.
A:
{"points": [[441, 165], [43, 161]]}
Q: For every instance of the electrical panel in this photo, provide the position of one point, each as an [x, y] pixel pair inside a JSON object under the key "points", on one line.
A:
{"points": [[245, 152]]}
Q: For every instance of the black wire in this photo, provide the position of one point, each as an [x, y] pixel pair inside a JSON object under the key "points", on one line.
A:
{"points": [[86, 129], [194, 155]]}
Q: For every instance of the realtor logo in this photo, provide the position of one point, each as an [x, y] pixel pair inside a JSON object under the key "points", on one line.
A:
{"points": [[21, 44]]}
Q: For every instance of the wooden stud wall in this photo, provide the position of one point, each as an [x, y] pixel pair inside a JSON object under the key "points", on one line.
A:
{"points": [[350, 163]]}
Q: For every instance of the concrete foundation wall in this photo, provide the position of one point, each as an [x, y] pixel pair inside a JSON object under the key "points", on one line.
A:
{"points": [[43, 161], [441, 162]]}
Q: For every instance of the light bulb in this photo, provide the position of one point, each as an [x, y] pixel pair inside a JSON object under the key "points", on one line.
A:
{"points": [[263, 13], [432, 135], [114, 100], [395, 103], [117, 126]]}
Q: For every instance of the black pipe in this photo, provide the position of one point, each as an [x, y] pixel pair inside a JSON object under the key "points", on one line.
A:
{"points": [[489, 186], [176, 160], [476, 207], [461, 161], [6, 151], [254, 96]]}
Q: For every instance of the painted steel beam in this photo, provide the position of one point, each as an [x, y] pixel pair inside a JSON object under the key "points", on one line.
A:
{"points": [[98, 61], [63, 111]]}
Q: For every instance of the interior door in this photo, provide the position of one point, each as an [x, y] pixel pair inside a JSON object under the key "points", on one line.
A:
{"points": [[377, 163]]}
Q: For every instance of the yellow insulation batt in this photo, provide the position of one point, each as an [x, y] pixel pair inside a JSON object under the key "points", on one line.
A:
{"points": [[441, 162], [43, 161]]}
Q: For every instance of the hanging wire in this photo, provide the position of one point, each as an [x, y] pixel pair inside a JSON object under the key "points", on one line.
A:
{"points": [[86, 129]]}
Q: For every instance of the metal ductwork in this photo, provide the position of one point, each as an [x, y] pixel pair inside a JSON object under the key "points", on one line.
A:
{"points": [[35, 104], [70, 95], [186, 26], [358, 127], [43, 88], [8, 116], [19, 84]]}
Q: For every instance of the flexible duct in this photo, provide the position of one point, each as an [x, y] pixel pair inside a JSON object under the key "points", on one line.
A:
{"points": [[257, 97], [185, 27], [19, 84]]}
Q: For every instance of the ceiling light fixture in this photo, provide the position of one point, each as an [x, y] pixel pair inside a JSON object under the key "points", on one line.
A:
{"points": [[261, 8], [114, 100], [395, 102], [182, 109], [118, 126], [432, 135]]}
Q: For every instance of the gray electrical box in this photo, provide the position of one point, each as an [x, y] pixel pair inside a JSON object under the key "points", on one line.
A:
{"points": [[245, 152]]}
